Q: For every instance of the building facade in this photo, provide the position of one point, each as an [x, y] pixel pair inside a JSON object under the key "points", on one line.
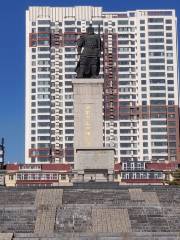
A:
{"points": [[37, 175], [139, 65], [58, 174]]}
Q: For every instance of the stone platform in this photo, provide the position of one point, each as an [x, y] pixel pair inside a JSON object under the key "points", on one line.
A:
{"points": [[89, 212]]}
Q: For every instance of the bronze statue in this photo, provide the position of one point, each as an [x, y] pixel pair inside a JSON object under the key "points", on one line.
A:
{"points": [[88, 65]]}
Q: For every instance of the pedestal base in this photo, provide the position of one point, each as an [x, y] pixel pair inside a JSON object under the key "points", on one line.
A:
{"points": [[94, 165]]}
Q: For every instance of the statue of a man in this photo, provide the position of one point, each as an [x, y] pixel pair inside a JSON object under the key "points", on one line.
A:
{"points": [[88, 65]]}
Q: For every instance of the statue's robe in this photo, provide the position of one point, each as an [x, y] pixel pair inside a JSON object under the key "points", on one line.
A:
{"points": [[91, 44]]}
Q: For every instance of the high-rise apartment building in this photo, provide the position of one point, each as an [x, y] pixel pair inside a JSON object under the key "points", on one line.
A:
{"points": [[139, 65]]}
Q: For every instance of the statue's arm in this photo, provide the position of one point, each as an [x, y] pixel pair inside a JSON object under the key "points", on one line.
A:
{"points": [[99, 46], [80, 44]]}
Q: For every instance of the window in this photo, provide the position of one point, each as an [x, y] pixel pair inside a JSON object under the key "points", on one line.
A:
{"points": [[69, 29], [44, 62], [145, 137], [143, 48], [159, 129], [159, 13], [169, 41], [160, 137], [145, 144], [168, 21], [171, 123], [158, 122], [169, 48], [43, 138], [123, 22], [69, 22], [159, 150], [157, 81], [43, 103], [143, 55], [43, 49], [155, 27], [43, 131], [145, 130], [170, 95], [43, 22], [154, 34], [44, 110], [157, 74], [157, 88], [156, 60], [43, 76], [168, 34], [142, 28], [168, 28], [156, 40], [156, 54], [11, 177], [158, 102], [43, 117], [43, 42], [142, 21], [169, 54], [155, 20], [170, 102], [43, 124], [145, 151], [43, 56], [157, 95], [170, 61], [63, 176], [154, 47]]}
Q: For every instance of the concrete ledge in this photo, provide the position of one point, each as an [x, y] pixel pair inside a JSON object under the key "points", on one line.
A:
{"points": [[95, 149], [87, 80]]}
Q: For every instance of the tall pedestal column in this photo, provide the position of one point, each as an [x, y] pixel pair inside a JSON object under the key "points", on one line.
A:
{"points": [[88, 116], [92, 160]]}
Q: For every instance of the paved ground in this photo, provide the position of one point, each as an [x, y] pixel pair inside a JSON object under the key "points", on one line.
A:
{"points": [[90, 212]]}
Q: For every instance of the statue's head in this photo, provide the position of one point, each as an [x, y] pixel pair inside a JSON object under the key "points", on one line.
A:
{"points": [[90, 29]]}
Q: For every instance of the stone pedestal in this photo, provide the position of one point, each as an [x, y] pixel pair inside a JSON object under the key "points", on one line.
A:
{"points": [[88, 115], [92, 161]]}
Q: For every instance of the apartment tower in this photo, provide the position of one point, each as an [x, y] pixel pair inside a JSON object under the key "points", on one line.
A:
{"points": [[139, 65]]}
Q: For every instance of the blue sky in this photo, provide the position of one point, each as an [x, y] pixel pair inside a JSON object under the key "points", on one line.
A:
{"points": [[12, 60]]}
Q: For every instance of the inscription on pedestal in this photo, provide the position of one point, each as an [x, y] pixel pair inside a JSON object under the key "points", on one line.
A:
{"points": [[88, 113]]}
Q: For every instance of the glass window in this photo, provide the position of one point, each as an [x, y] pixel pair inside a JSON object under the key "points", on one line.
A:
{"points": [[43, 22]]}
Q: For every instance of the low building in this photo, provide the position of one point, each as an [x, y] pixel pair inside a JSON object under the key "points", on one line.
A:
{"points": [[37, 175], [12, 175], [144, 173]]}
